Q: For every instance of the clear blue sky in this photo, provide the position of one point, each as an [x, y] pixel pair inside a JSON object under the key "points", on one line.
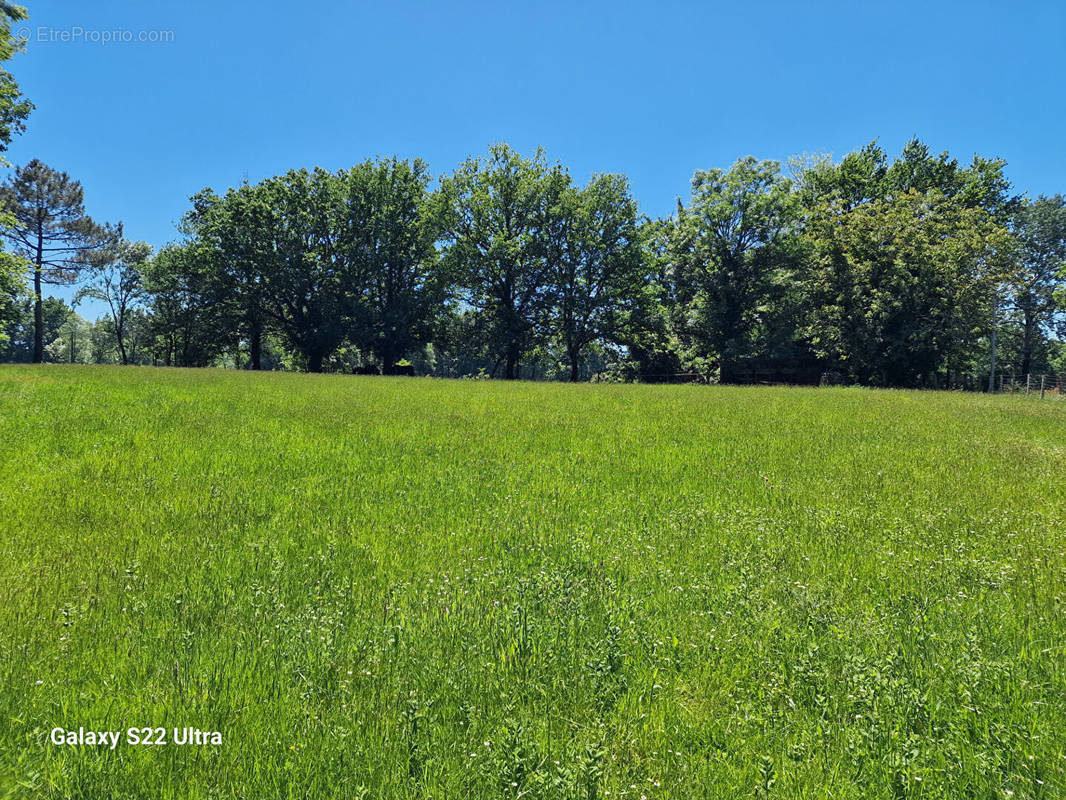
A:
{"points": [[652, 89]]}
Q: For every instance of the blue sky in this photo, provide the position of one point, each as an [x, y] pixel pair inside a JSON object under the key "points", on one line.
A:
{"points": [[654, 89]]}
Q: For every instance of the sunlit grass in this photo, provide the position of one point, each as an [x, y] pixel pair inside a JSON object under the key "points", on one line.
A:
{"points": [[392, 588]]}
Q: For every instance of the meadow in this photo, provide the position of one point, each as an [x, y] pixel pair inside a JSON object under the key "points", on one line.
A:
{"points": [[412, 588]]}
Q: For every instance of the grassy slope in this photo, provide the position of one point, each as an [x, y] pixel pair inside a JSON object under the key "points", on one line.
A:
{"points": [[412, 588]]}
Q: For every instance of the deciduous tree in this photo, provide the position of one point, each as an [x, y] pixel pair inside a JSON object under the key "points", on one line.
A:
{"points": [[188, 321], [233, 241], [596, 263], [1040, 230], [497, 213], [14, 108], [725, 248], [310, 277], [899, 289], [388, 231], [116, 279]]}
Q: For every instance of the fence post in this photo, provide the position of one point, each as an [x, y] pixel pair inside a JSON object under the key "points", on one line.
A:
{"points": [[1042, 377], [1027, 384]]}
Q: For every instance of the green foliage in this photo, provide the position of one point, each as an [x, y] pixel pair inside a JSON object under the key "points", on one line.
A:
{"points": [[387, 588], [12, 290], [1036, 294], [902, 262], [727, 251], [323, 258], [310, 279], [858, 178], [230, 252], [21, 331], [597, 282], [71, 343], [117, 280], [189, 322], [47, 225], [391, 229], [498, 219], [888, 271], [78, 341], [902, 288], [14, 107], [866, 175]]}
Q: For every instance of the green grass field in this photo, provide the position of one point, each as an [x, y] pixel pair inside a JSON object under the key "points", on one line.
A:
{"points": [[407, 588]]}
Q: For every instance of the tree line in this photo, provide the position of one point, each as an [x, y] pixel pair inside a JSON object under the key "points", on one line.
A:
{"points": [[884, 271], [888, 272]]}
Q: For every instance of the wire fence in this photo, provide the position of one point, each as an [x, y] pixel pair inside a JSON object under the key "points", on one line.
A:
{"points": [[1042, 385]]}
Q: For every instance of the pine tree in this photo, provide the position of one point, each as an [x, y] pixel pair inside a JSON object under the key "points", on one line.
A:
{"points": [[51, 231]]}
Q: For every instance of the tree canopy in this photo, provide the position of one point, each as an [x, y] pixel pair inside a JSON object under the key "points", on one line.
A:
{"points": [[886, 271]]}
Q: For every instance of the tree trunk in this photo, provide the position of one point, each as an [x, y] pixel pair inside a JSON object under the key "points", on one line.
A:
{"points": [[314, 361], [121, 344], [38, 301], [575, 368], [1027, 342], [255, 345], [725, 370], [38, 319]]}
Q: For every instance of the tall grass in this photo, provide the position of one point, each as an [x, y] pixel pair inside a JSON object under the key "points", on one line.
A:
{"points": [[402, 588]]}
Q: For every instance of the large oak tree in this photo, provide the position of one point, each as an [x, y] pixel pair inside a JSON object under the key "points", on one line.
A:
{"points": [[497, 218], [725, 248]]}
